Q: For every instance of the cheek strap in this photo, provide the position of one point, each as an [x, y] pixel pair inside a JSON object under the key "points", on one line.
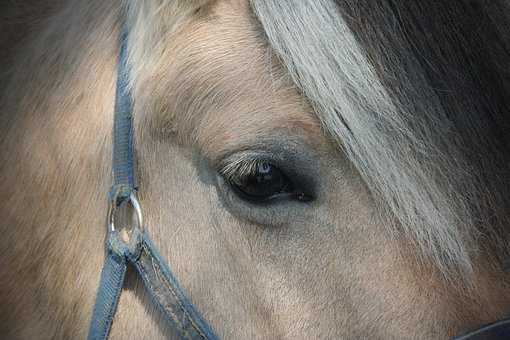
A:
{"points": [[158, 280], [130, 245]]}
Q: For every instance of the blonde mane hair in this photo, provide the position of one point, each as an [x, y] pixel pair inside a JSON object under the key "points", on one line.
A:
{"points": [[420, 115]]}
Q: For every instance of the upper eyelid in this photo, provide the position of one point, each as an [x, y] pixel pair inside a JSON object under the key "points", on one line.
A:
{"points": [[243, 163]]}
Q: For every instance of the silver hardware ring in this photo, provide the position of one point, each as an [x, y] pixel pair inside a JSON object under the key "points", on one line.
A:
{"points": [[113, 207]]}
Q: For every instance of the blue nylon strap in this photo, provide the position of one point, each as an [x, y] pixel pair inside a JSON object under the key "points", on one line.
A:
{"points": [[118, 253], [139, 251], [114, 269], [123, 144], [158, 280], [168, 295], [499, 330], [112, 279]]}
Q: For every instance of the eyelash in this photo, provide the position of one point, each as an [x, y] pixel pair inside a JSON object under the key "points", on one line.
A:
{"points": [[241, 168], [259, 180]]}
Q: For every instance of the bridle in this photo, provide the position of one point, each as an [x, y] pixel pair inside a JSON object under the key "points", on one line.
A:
{"points": [[132, 246]]}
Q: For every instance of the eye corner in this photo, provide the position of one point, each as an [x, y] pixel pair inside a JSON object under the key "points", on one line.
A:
{"points": [[304, 197]]}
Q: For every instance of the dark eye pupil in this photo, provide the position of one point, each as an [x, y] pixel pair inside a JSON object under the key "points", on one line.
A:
{"points": [[266, 182]]}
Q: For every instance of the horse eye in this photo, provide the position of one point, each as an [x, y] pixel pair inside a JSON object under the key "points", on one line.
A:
{"points": [[265, 182]]}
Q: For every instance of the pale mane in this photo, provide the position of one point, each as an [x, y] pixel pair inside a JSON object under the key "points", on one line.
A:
{"points": [[427, 150]]}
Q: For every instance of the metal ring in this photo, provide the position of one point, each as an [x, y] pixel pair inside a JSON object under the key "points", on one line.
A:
{"points": [[113, 207]]}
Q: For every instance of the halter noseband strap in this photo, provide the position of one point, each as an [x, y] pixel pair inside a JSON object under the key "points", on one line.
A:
{"points": [[132, 245]]}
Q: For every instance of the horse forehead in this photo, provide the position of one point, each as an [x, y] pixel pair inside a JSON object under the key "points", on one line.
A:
{"points": [[230, 87]]}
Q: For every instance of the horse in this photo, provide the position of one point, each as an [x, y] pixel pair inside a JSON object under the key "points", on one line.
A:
{"points": [[308, 169]]}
